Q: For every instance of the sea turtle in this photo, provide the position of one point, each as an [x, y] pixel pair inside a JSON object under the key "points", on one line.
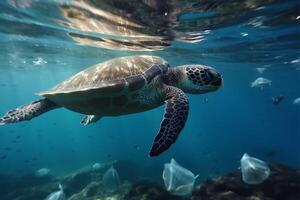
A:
{"points": [[127, 85]]}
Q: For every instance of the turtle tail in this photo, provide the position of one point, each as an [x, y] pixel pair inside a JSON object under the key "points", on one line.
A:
{"points": [[28, 111]]}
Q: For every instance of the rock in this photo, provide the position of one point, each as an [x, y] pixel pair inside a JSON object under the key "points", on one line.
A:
{"points": [[92, 189], [95, 191], [283, 183], [77, 181], [33, 180], [133, 172], [32, 187], [145, 190], [126, 169], [25, 187], [35, 192]]}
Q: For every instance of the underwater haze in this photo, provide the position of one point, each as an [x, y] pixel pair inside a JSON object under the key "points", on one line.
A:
{"points": [[44, 42]]}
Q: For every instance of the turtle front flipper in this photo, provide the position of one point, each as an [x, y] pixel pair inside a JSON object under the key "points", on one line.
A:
{"points": [[175, 116], [29, 111], [88, 119]]}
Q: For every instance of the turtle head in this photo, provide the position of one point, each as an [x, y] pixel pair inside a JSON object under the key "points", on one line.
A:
{"points": [[197, 79]]}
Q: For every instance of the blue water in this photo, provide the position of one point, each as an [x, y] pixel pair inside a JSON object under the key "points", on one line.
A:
{"points": [[38, 51]]}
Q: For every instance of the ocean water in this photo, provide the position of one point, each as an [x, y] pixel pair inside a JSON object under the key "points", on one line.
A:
{"points": [[45, 42]]}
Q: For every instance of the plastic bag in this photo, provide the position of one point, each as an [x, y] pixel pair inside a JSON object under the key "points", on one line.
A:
{"points": [[58, 195], [111, 180], [254, 171], [178, 180], [42, 172], [97, 166]]}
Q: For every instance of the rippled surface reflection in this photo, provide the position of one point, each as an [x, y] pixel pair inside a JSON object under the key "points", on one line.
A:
{"points": [[233, 31], [149, 25]]}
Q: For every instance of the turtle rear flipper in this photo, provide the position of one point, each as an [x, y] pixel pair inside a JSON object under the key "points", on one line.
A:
{"points": [[88, 119], [28, 111], [176, 112]]}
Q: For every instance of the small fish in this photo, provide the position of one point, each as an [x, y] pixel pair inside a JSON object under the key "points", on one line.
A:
{"points": [[26, 161], [111, 137], [19, 150], [261, 83], [206, 100], [39, 61], [3, 157], [206, 152], [297, 101], [7, 148], [137, 147], [271, 153], [277, 99]]}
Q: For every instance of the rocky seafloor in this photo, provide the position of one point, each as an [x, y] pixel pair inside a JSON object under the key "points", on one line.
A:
{"points": [[85, 184]]}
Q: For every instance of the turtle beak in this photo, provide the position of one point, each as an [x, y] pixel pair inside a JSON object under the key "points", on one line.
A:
{"points": [[212, 73], [217, 79], [218, 82]]}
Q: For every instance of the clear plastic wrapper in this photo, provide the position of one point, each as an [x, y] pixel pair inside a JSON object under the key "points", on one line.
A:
{"points": [[178, 180], [254, 171], [111, 180], [58, 195]]}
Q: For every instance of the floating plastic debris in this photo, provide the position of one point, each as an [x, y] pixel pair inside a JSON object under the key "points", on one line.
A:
{"points": [[42, 172], [178, 180], [297, 101], [257, 21], [39, 61], [58, 195], [261, 69], [260, 8], [295, 61], [97, 166], [111, 180], [254, 171], [261, 83]]}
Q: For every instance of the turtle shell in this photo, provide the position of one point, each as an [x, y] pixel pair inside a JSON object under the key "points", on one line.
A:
{"points": [[116, 76]]}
